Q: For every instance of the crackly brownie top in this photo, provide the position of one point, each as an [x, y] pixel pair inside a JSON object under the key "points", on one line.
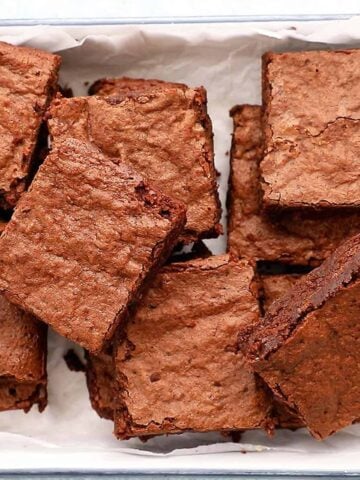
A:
{"points": [[299, 237], [82, 240], [22, 344], [312, 129], [123, 85], [27, 79], [165, 134], [309, 293], [178, 365]]}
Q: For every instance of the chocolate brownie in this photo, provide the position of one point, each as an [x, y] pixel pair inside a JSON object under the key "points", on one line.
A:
{"points": [[28, 81], [112, 87], [272, 288], [83, 240], [100, 378], [164, 133], [293, 237], [23, 347], [312, 129], [306, 348], [177, 363]]}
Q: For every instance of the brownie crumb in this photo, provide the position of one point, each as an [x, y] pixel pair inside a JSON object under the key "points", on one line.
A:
{"points": [[73, 361]]}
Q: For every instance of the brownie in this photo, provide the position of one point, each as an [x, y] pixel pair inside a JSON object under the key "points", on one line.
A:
{"points": [[272, 288], [100, 378], [164, 133], [28, 81], [23, 347], [83, 240], [306, 348], [312, 129], [295, 237], [112, 87], [177, 364]]}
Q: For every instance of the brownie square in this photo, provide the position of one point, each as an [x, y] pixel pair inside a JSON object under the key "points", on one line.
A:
{"points": [[23, 347], [28, 81], [294, 237], [177, 364], [306, 348], [312, 129], [164, 133], [83, 240]]}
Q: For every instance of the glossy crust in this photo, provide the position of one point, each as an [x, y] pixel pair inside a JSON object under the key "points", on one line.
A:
{"points": [[163, 133], [177, 365], [306, 347], [23, 346], [299, 237], [28, 81], [312, 129], [83, 240]]}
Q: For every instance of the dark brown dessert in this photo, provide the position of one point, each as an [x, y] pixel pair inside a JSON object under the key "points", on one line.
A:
{"points": [[164, 133], [293, 237], [177, 363], [312, 129], [272, 288], [100, 377], [114, 87], [306, 348], [28, 81], [23, 346], [83, 240]]}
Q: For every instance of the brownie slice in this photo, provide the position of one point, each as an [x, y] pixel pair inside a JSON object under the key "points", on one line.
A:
{"points": [[312, 129], [163, 133], [28, 81], [101, 383], [23, 347], [82, 242], [272, 288], [306, 347], [113, 87], [293, 237], [177, 363]]}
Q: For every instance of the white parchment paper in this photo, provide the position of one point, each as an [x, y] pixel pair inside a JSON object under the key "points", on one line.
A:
{"points": [[225, 58]]}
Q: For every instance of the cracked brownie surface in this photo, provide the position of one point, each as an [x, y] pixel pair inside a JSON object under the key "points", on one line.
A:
{"points": [[83, 240], [164, 133], [312, 129], [306, 347], [28, 80], [294, 237], [177, 365]]}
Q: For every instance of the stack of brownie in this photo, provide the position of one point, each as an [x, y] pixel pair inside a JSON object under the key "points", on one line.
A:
{"points": [[199, 342]]}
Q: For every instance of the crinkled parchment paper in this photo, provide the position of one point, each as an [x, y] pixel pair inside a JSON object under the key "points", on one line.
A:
{"points": [[225, 58]]}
